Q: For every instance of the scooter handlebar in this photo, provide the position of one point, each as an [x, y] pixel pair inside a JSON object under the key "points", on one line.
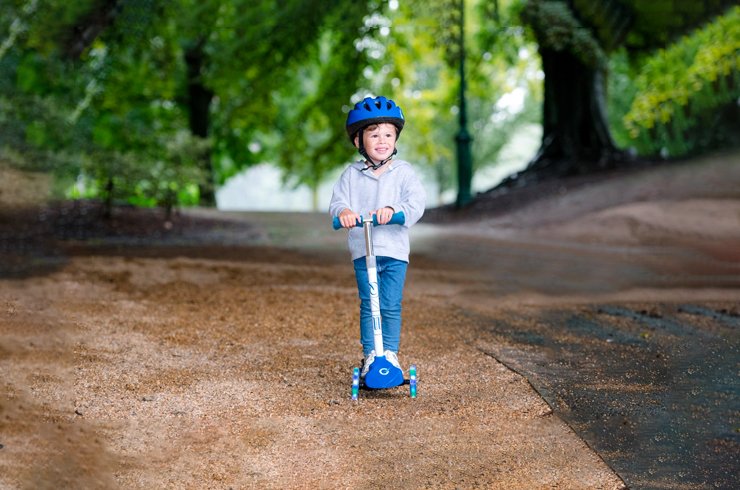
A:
{"points": [[397, 219]]}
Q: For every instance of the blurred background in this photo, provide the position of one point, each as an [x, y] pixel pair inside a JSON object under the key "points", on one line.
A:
{"points": [[241, 104]]}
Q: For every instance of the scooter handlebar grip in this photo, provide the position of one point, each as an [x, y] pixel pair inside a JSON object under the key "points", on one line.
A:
{"points": [[397, 219], [338, 225]]}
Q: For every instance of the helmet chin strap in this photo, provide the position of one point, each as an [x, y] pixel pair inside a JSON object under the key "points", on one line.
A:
{"points": [[373, 165], [368, 160]]}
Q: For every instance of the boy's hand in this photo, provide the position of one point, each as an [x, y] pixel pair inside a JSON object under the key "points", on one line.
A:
{"points": [[348, 218], [384, 215]]}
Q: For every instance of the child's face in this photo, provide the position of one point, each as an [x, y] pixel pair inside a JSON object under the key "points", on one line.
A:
{"points": [[379, 141]]}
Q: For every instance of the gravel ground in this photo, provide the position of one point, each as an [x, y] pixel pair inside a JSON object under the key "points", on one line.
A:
{"points": [[174, 372], [215, 350]]}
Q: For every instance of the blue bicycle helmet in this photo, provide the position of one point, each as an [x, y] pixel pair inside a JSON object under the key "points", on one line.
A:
{"points": [[374, 111]]}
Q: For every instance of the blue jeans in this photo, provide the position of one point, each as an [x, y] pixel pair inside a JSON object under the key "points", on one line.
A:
{"points": [[391, 279]]}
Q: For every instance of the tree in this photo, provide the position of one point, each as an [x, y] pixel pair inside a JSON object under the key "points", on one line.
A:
{"points": [[685, 95], [575, 38], [309, 120], [134, 74], [236, 53], [418, 63], [576, 136], [158, 102]]}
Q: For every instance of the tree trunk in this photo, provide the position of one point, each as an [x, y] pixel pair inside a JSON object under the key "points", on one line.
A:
{"points": [[102, 14], [315, 197], [108, 201], [199, 104], [575, 133]]}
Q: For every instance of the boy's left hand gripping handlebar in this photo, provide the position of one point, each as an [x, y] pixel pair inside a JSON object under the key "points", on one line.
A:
{"points": [[397, 219]]}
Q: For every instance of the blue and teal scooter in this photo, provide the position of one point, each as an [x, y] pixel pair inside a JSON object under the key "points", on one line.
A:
{"points": [[381, 374]]}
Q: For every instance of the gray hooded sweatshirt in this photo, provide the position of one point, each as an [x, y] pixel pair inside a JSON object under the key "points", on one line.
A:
{"points": [[362, 192]]}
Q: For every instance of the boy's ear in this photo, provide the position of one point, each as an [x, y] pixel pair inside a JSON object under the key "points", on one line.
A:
{"points": [[357, 140]]}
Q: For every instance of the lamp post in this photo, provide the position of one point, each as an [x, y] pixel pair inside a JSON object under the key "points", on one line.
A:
{"points": [[463, 138]]}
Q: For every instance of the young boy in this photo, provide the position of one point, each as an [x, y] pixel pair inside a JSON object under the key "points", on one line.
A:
{"points": [[379, 186]]}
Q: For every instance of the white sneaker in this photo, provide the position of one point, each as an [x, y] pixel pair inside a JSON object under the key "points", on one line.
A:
{"points": [[392, 358], [366, 365]]}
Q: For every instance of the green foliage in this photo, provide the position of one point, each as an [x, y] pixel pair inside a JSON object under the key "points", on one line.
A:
{"points": [[169, 178], [556, 28], [81, 119], [114, 120], [680, 90], [609, 20], [671, 102], [419, 69], [657, 23], [101, 97], [621, 91], [314, 141]]}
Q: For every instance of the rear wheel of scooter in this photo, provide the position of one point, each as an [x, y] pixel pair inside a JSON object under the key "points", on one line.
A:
{"points": [[412, 380]]}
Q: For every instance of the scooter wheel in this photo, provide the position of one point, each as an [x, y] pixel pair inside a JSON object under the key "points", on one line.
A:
{"points": [[412, 380], [355, 383]]}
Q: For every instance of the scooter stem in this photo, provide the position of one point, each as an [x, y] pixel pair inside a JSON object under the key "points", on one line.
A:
{"points": [[367, 225], [372, 275]]}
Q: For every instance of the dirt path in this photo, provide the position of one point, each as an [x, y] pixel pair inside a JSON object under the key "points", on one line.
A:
{"points": [[174, 372], [220, 357]]}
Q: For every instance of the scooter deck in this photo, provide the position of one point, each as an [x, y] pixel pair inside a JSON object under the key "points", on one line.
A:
{"points": [[363, 386]]}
